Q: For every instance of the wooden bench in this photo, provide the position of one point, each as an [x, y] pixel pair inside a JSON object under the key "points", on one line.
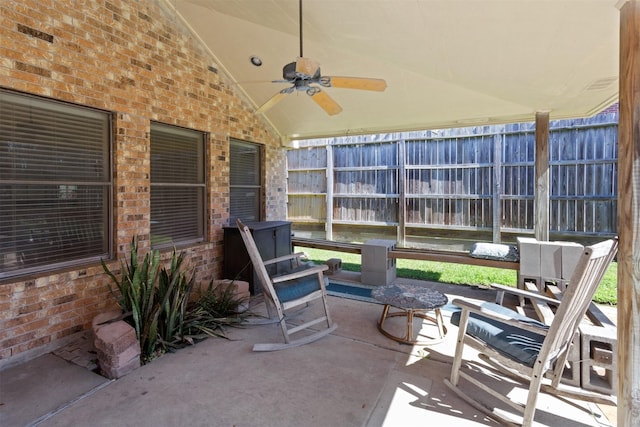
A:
{"points": [[451, 257], [404, 253], [328, 245]]}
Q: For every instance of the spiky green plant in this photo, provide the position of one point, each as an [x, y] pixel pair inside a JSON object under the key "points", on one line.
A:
{"points": [[156, 301], [136, 294], [174, 287], [220, 303], [213, 310]]}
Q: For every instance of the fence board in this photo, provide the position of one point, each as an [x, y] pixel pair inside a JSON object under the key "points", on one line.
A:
{"points": [[454, 178]]}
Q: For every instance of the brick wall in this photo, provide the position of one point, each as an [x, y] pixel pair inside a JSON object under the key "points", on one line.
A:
{"points": [[132, 58]]}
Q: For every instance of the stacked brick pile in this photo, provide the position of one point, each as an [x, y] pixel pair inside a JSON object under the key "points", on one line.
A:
{"points": [[116, 344]]}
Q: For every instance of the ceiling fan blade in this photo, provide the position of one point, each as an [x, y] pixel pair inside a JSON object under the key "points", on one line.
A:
{"points": [[361, 83], [326, 102], [307, 67], [272, 101]]}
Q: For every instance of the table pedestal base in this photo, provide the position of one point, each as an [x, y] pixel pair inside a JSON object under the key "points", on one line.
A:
{"points": [[410, 313]]}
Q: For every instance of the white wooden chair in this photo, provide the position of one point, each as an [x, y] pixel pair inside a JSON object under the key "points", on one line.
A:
{"points": [[299, 286], [525, 349]]}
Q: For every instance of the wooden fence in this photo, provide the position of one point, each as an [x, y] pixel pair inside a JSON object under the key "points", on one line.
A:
{"points": [[469, 184]]}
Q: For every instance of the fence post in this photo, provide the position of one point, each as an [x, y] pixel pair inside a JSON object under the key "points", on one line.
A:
{"points": [[542, 173], [628, 222], [402, 206], [498, 139]]}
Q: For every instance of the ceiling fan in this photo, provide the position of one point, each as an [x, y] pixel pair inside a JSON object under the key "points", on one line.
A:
{"points": [[304, 75]]}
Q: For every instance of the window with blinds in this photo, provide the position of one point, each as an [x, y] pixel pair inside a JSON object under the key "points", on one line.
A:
{"points": [[245, 168], [177, 186], [55, 184]]}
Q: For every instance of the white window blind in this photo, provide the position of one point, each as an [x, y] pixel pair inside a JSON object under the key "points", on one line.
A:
{"points": [[55, 184], [177, 185], [245, 168]]}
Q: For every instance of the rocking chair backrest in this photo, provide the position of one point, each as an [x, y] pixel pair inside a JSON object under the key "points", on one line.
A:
{"points": [[256, 260], [575, 300], [510, 341]]}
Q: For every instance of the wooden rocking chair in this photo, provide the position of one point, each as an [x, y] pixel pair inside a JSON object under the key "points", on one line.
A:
{"points": [[525, 349], [299, 286]]}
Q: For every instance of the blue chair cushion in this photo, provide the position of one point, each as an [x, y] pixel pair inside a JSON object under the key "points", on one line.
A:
{"points": [[518, 344], [297, 288]]}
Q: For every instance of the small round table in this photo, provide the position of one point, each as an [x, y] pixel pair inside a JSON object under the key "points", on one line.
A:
{"points": [[413, 300]]}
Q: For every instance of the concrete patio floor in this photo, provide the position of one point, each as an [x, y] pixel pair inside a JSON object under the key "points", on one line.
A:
{"points": [[353, 377]]}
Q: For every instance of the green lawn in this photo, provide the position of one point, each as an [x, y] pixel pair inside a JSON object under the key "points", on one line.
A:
{"points": [[458, 273]]}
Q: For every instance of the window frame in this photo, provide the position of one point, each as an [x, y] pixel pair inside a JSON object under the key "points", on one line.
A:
{"points": [[200, 138], [259, 187], [59, 138]]}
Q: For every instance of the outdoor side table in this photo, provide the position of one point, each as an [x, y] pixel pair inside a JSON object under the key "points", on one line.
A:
{"points": [[413, 301]]}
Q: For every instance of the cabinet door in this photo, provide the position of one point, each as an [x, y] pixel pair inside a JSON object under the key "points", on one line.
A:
{"points": [[236, 259], [264, 238], [282, 240], [272, 238], [282, 245]]}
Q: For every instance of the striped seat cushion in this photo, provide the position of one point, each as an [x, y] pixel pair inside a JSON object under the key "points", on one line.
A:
{"points": [[518, 344]]}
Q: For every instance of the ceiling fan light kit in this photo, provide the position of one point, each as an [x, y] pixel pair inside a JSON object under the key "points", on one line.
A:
{"points": [[304, 75]]}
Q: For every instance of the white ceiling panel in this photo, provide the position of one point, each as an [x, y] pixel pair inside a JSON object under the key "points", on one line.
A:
{"points": [[446, 62]]}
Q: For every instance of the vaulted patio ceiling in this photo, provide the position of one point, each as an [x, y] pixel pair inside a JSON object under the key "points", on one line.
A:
{"points": [[447, 63]]}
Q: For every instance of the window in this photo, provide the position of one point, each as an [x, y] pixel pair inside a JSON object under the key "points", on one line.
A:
{"points": [[245, 167], [55, 184], [177, 186]]}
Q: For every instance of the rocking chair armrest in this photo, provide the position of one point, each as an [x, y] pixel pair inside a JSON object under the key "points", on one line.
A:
{"points": [[525, 293], [316, 269], [474, 308], [284, 258]]}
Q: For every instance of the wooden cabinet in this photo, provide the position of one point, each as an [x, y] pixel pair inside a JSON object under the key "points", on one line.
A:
{"points": [[273, 239]]}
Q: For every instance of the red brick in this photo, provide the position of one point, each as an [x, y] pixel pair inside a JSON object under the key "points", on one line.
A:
{"points": [[120, 359], [115, 337], [178, 90], [116, 372]]}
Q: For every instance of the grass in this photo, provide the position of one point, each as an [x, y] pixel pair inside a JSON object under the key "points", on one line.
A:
{"points": [[459, 274]]}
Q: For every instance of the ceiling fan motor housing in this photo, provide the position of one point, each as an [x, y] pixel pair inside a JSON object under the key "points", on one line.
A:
{"points": [[289, 73]]}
